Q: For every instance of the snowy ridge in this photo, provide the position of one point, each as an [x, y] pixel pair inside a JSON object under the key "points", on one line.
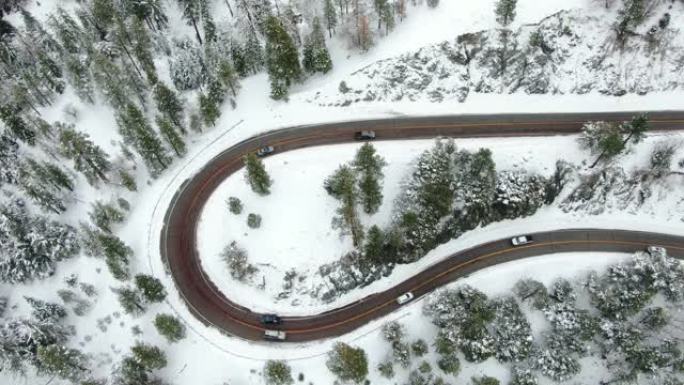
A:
{"points": [[570, 52]]}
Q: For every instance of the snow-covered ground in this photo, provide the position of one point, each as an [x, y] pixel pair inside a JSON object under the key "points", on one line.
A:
{"points": [[210, 357], [296, 232]]}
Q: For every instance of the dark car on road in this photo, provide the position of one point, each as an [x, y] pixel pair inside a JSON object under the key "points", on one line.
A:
{"points": [[270, 319], [364, 135], [263, 151]]}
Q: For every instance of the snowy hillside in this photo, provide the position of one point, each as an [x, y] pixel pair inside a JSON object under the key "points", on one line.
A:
{"points": [[570, 52], [107, 106]]}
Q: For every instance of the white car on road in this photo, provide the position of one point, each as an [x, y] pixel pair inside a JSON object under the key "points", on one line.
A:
{"points": [[521, 240], [402, 299]]}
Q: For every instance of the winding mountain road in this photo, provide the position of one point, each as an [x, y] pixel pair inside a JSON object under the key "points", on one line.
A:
{"points": [[178, 241]]}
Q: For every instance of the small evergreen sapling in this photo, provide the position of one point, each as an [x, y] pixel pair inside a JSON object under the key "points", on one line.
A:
{"points": [[316, 56], [238, 264], [169, 327], [348, 363], [235, 205], [277, 373], [254, 220], [150, 287]]}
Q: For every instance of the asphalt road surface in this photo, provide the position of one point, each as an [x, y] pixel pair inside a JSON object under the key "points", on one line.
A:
{"points": [[178, 241]]}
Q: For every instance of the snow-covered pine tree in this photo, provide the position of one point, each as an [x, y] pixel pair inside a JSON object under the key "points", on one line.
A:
{"points": [[151, 11], [192, 13], [149, 356], [46, 311], [21, 340], [256, 11], [173, 138], [88, 157], [103, 215], [226, 74], [348, 363], [601, 138], [374, 247], [369, 166], [505, 12], [315, 55], [342, 186], [330, 16], [256, 175], [31, 244], [116, 253], [58, 360], [282, 58], [209, 110], [143, 50], [136, 131], [170, 327], [16, 125], [237, 55], [150, 287], [254, 53], [9, 160], [428, 197], [186, 66], [131, 300], [208, 25]]}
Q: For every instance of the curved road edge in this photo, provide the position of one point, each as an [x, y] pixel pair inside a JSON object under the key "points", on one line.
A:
{"points": [[208, 304]]}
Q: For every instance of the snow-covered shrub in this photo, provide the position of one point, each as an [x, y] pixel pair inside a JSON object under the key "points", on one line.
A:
{"points": [[278, 373], [627, 287], [46, 311], [556, 365], [655, 318], [520, 376], [485, 380], [569, 321], [604, 189], [562, 291], [463, 316], [530, 290], [393, 332], [9, 160], [386, 369], [254, 220], [237, 262], [3, 305], [348, 363], [418, 377], [234, 205], [513, 335], [661, 157], [31, 245], [419, 348], [519, 194]]}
